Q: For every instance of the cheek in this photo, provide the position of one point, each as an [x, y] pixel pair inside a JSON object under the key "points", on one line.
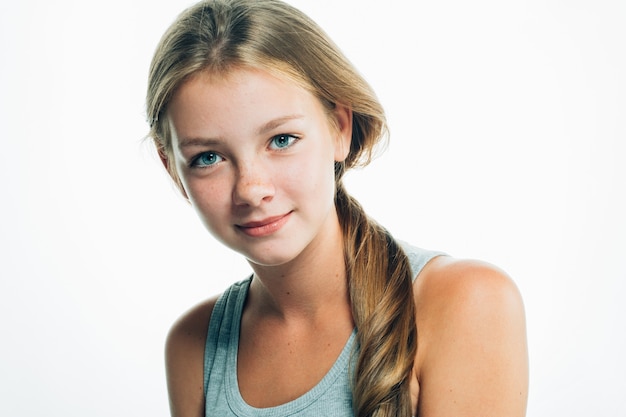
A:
{"points": [[209, 199], [310, 177]]}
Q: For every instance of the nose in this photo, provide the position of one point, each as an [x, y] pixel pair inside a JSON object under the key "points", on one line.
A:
{"points": [[253, 186]]}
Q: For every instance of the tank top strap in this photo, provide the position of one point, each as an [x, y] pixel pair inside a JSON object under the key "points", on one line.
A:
{"points": [[226, 311], [418, 257]]}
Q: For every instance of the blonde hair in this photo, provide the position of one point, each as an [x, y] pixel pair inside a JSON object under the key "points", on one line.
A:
{"points": [[219, 35]]}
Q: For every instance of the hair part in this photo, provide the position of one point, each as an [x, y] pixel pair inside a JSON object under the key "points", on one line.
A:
{"points": [[219, 36]]}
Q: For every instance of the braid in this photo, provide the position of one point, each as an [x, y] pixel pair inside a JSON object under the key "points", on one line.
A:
{"points": [[381, 293]]}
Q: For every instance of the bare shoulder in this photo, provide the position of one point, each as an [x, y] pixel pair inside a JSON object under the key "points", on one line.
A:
{"points": [[472, 354], [469, 283], [184, 360]]}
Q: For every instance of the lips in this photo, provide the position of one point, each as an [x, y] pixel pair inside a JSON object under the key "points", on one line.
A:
{"points": [[264, 227]]}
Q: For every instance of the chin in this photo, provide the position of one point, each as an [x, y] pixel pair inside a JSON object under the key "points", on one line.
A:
{"points": [[269, 260], [273, 256]]}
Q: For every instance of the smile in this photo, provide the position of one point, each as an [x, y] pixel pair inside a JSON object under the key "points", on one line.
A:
{"points": [[264, 227]]}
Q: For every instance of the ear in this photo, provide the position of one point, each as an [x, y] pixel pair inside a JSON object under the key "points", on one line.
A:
{"points": [[171, 169], [163, 156], [343, 117]]}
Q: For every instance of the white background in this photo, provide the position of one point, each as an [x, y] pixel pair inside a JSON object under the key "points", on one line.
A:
{"points": [[508, 144]]}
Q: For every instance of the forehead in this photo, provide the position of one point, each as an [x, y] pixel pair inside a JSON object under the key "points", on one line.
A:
{"points": [[238, 99], [241, 78]]}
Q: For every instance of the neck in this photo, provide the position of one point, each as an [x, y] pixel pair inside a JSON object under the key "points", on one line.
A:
{"points": [[310, 287]]}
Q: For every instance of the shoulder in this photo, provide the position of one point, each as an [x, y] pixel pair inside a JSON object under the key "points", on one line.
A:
{"points": [[472, 352], [184, 359], [469, 283], [465, 296], [191, 328]]}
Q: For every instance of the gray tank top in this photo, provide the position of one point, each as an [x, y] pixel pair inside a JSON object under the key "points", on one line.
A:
{"points": [[331, 397]]}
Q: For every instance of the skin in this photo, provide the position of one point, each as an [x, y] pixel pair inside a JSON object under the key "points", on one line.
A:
{"points": [[270, 197]]}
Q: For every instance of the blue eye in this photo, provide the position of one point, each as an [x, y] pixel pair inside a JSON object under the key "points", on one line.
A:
{"points": [[282, 141], [206, 159]]}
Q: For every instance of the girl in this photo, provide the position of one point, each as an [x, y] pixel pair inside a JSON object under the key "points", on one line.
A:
{"points": [[256, 116]]}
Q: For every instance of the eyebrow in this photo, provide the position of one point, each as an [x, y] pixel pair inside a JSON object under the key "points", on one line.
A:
{"points": [[273, 124], [264, 129], [189, 142]]}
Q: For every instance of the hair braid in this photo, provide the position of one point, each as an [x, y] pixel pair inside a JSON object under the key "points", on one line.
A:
{"points": [[381, 292]]}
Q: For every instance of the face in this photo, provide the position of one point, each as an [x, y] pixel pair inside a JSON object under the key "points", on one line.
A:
{"points": [[255, 155]]}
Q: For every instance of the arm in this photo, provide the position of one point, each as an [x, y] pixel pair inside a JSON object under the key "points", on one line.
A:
{"points": [[184, 361], [472, 355]]}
